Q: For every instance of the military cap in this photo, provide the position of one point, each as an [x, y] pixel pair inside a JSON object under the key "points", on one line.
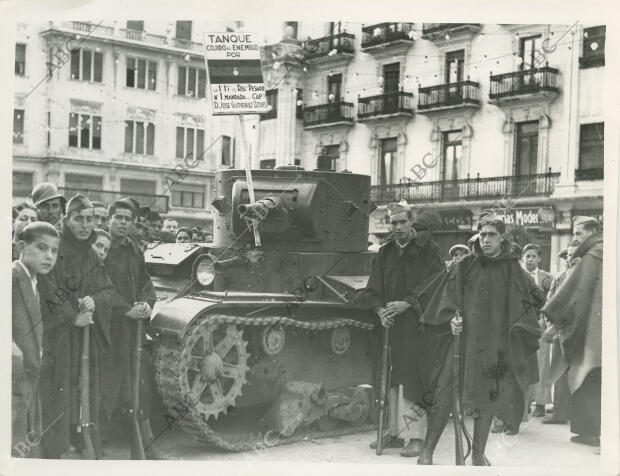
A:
{"points": [[398, 207], [78, 203], [582, 220], [532, 246], [125, 203], [46, 191], [458, 247], [98, 204], [136, 205]]}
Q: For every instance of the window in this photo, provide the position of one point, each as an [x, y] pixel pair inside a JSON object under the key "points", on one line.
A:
{"points": [[86, 65], [184, 30], [526, 162], [141, 73], [528, 50], [268, 164], [593, 47], [452, 150], [187, 195], [391, 77], [387, 162], [20, 59], [139, 137], [192, 82], [84, 131], [135, 25], [272, 104], [294, 26], [299, 111], [190, 142], [18, 126], [137, 187], [591, 145], [329, 156], [455, 61], [226, 151], [22, 184], [334, 87]]}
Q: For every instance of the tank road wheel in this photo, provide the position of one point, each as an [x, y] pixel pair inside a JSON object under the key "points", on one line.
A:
{"points": [[213, 367]]}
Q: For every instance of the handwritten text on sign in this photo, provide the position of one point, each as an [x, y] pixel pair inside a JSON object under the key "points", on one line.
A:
{"points": [[235, 73]]}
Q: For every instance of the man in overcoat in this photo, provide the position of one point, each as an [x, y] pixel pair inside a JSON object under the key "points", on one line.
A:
{"points": [[498, 303], [576, 313], [404, 275], [75, 294]]}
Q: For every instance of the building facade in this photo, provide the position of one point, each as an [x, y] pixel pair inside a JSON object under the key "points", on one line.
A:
{"points": [[455, 118], [119, 108]]}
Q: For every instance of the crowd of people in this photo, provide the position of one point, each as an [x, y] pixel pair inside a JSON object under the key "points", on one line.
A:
{"points": [[78, 264], [529, 339]]}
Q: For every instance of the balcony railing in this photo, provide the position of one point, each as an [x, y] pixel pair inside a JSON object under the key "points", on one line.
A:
{"points": [[330, 45], [390, 103], [589, 174], [448, 95], [96, 30], [328, 113], [158, 203], [382, 33], [429, 28], [467, 189], [523, 82]]}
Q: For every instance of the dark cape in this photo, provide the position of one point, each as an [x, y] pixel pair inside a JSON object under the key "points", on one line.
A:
{"points": [[412, 277], [78, 272], [498, 301], [576, 309], [127, 270]]}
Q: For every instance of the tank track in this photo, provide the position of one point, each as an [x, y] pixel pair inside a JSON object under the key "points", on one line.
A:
{"points": [[168, 375]]}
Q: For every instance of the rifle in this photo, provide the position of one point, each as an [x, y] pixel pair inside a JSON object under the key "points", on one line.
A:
{"points": [[384, 387], [85, 425], [457, 413], [137, 447]]}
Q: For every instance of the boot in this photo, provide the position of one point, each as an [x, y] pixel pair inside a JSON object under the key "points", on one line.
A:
{"points": [[482, 426], [413, 448], [389, 441], [437, 420]]}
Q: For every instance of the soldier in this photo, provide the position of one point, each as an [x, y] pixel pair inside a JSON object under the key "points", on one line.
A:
{"points": [[498, 301], [402, 280], [458, 252], [134, 298], [576, 313], [101, 215], [75, 294], [49, 203]]}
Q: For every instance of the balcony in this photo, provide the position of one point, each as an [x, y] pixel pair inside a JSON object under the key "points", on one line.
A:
{"points": [[444, 31], [464, 94], [589, 174], [157, 203], [467, 189], [385, 105], [385, 35], [536, 84], [333, 48], [337, 113], [125, 35]]}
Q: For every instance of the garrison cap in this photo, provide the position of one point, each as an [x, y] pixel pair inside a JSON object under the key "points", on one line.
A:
{"points": [[458, 247], [78, 203], [45, 191], [126, 203], [582, 220], [398, 207], [98, 204]]}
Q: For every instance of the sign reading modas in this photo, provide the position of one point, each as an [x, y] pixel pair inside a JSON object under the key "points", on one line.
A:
{"points": [[235, 73]]}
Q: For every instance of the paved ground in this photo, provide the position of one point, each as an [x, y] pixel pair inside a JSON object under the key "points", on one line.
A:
{"points": [[535, 445]]}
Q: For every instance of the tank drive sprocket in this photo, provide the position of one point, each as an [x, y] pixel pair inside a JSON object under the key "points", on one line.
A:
{"points": [[208, 369]]}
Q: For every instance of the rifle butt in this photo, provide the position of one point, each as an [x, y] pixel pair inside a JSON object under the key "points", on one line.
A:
{"points": [[383, 389]]}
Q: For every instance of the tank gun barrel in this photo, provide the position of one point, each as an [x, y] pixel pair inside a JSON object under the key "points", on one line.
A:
{"points": [[260, 209]]}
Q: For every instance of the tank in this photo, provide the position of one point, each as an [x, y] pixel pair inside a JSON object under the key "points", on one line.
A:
{"points": [[265, 341]]}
